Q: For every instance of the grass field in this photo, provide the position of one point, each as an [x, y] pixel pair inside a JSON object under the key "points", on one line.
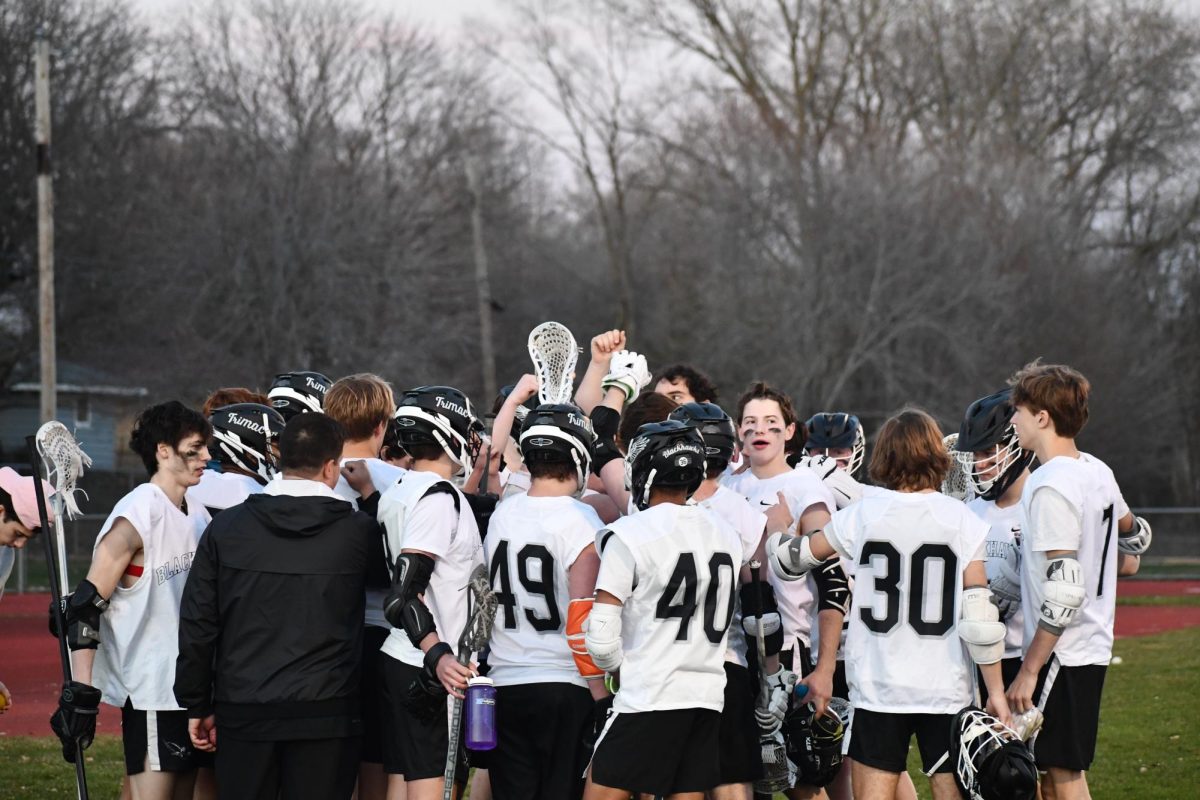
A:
{"points": [[1149, 738]]}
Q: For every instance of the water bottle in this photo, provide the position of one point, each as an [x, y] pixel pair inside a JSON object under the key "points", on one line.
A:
{"points": [[480, 710]]}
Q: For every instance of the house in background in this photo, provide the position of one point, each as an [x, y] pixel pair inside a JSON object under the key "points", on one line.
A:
{"points": [[95, 406]]}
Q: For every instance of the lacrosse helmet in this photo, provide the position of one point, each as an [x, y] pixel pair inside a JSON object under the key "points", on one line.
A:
{"points": [[829, 430], [245, 435], [716, 429], [295, 393], [559, 432], [667, 453], [440, 415], [814, 742], [990, 761], [988, 428], [522, 410]]}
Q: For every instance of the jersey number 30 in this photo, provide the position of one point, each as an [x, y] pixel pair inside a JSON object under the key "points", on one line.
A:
{"points": [[887, 583], [683, 587]]}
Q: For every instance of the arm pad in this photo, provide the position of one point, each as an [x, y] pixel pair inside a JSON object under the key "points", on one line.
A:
{"points": [[82, 610], [1137, 541], [1063, 595], [758, 602], [603, 636], [577, 615], [790, 556], [403, 607], [833, 587], [980, 626]]}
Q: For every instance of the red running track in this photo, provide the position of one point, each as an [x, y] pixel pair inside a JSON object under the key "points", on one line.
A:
{"points": [[29, 656]]}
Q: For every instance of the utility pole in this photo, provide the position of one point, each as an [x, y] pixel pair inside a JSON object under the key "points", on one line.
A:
{"points": [[45, 191], [483, 288]]}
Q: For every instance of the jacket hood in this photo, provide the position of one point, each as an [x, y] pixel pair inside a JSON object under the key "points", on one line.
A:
{"points": [[289, 516]]}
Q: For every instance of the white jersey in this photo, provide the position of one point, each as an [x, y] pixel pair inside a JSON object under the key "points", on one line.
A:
{"points": [[383, 476], [749, 523], [675, 568], [1089, 488], [910, 550], [218, 491], [434, 523], [139, 633], [1003, 552], [802, 489], [531, 543]]}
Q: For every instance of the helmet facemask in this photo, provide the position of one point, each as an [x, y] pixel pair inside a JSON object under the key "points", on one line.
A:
{"points": [[1002, 466]]}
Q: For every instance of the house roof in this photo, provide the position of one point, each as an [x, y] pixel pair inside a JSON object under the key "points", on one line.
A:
{"points": [[74, 378]]}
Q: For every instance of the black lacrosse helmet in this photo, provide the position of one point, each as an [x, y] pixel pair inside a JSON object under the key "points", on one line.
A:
{"points": [[988, 427], [990, 760], [440, 415], [668, 453], [836, 430], [295, 393], [559, 432], [244, 434], [814, 742], [716, 428]]}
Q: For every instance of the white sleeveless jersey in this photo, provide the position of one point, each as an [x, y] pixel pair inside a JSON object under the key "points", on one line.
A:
{"points": [[802, 488], [431, 524], [675, 568], [383, 476], [1004, 538], [531, 543], [218, 491], [910, 550], [749, 523], [1089, 487], [139, 633]]}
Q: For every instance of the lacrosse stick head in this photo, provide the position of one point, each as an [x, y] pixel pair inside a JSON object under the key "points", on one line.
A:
{"points": [[554, 353], [481, 611], [778, 772], [64, 462], [957, 483]]}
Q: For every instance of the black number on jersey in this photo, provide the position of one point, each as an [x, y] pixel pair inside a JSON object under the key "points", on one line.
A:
{"points": [[683, 585], [888, 584], [541, 585], [1109, 523]]}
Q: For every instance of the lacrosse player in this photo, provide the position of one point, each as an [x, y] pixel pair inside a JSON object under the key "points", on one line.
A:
{"points": [[433, 544], [244, 444], [684, 383], [295, 393], [19, 522], [123, 618], [664, 603], [910, 672], [542, 563], [1075, 524]]}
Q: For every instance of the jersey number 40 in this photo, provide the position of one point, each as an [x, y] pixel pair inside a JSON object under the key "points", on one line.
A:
{"points": [[679, 600], [888, 583]]}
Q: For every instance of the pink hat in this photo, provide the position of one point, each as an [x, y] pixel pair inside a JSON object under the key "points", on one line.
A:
{"points": [[24, 497]]}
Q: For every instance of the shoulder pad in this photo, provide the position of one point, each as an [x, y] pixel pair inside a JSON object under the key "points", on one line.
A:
{"points": [[444, 487]]}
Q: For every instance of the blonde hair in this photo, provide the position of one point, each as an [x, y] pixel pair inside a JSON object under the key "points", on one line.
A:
{"points": [[360, 403]]}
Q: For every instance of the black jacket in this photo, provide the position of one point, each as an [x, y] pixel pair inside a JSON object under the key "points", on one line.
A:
{"points": [[271, 623]]}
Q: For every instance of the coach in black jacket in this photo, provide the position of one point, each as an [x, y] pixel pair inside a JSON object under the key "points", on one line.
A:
{"points": [[271, 625]]}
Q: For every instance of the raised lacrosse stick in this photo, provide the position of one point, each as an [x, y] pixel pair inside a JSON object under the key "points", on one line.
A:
{"points": [[554, 354], [481, 611], [956, 483]]}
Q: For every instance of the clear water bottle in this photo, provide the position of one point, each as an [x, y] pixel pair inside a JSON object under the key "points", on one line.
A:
{"points": [[480, 710]]}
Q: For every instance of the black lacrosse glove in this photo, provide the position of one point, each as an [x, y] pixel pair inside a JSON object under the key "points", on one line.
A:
{"points": [[425, 697], [605, 423], [600, 714], [75, 721]]}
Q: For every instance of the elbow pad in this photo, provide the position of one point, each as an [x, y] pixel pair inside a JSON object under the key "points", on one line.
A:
{"points": [[603, 636], [1063, 594], [577, 616], [759, 606], [790, 556], [605, 423], [403, 607], [980, 626], [1137, 541], [81, 611], [833, 587]]}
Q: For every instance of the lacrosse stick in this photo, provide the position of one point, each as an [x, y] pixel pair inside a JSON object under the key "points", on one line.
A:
{"points": [[63, 462], [554, 353], [777, 771], [956, 483], [481, 610]]}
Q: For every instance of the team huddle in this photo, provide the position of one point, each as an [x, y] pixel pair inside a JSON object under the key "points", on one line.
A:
{"points": [[690, 600]]}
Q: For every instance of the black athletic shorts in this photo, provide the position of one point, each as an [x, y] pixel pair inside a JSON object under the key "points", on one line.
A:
{"points": [[660, 752], [841, 688], [880, 740], [1069, 697], [156, 738], [413, 746], [540, 754], [740, 753], [1009, 667], [372, 689]]}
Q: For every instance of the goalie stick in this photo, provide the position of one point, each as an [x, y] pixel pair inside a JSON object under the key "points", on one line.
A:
{"points": [[481, 611]]}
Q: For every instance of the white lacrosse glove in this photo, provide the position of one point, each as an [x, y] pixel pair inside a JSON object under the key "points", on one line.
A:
{"points": [[845, 489], [628, 372], [780, 685], [1137, 541]]}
